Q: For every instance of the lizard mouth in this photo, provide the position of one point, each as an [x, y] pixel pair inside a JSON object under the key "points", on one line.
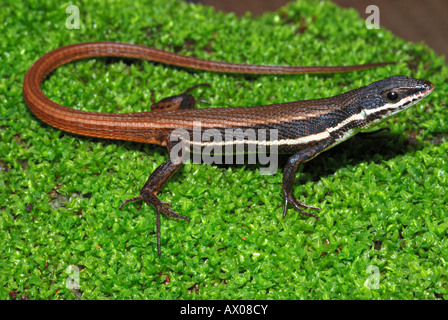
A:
{"points": [[408, 101]]}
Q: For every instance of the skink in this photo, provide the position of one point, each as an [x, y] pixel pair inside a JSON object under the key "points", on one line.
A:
{"points": [[302, 128]]}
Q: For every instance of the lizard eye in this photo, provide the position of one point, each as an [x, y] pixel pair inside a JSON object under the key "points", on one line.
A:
{"points": [[392, 96]]}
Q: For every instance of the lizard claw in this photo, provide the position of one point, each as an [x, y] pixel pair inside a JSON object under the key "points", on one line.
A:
{"points": [[160, 207], [298, 205]]}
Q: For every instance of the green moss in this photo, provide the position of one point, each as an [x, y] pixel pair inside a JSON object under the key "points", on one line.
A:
{"points": [[383, 199]]}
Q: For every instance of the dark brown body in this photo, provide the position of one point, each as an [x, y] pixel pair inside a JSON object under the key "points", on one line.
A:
{"points": [[305, 128], [154, 127]]}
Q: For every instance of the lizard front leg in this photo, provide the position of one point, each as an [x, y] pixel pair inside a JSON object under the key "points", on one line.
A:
{"points": [[289, 174]]}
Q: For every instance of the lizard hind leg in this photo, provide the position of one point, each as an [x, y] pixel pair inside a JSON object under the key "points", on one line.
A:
{"points": [[148, 193], [179, 101]]}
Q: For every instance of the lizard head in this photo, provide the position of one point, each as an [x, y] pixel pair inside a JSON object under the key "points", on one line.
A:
{"points": [[384, 98]]}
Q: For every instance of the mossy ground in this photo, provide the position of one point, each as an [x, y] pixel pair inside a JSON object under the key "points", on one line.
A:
{"points": [[383, 198]]}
